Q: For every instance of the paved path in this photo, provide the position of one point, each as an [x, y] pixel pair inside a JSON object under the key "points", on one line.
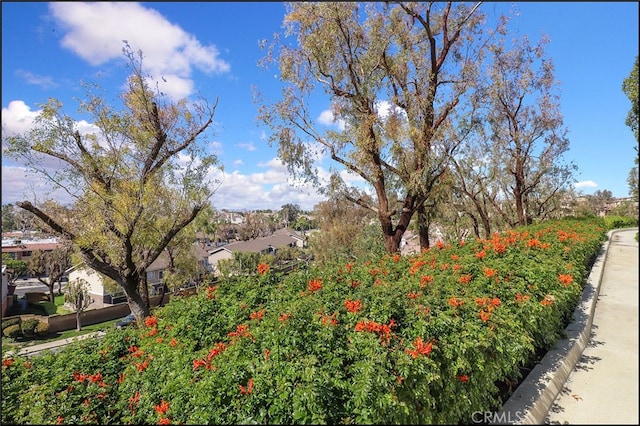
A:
{"points": [[54, 345], [603, 386]]}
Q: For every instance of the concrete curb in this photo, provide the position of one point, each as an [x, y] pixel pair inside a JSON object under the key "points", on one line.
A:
{"points": [[532, 400]]}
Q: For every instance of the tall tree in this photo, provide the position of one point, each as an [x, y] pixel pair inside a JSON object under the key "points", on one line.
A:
{"points": [[52, 264], [630, 88], [289, 213], [395, 75], [137, 181], [527, 138], [343, 228], [8, 218]]}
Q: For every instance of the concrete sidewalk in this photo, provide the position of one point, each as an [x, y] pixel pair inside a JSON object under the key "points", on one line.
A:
{"points": [[603, 386], [591, 377], [31, 350]]}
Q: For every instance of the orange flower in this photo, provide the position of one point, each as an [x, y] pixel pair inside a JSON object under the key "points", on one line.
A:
{"points": [[80, 377], [426, 279], [548, 300], [463, 378], [396, 257], [7, 362], [60, 420], [173, 342], [481, 254], [284, 317], [520, 298], [257, 315], [533, 242], [263, 268], [197, 363], [314, 285], [164, 421], [95, 378], [248, 389], [326, 319], [414, 295], [489, 272], [440, 244], [484, 316], [135, 398], [142, 366], [464, 279], [162, 408], [211, 292], [151, 321], [565, 279], [421, 348], [455, 302], [349, 266], [266, 354], [353, 305]]}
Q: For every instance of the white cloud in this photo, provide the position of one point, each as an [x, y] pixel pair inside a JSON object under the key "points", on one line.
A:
{"points": [[18, 184], [17, 118], [249, 146], [44, 81], [327, 118], [270, 189], [95, 31], [585, 184], [238, 163]]}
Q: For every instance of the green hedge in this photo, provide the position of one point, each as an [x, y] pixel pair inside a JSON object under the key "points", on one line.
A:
{"points": [[422, 339]]}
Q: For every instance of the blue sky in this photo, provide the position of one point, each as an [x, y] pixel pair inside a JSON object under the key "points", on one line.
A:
{"points": [[47, 48]]}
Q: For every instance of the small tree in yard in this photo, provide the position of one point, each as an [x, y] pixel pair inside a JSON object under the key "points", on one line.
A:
{"points": [[77, 296], [53, 264], [137, 180]]}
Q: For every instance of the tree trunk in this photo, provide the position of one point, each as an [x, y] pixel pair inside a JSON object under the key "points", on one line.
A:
{"points": [[137, 305], [423, 227], [78, 324]]}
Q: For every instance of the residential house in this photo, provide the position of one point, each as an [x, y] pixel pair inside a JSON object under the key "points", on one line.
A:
{"points": [[264, 245], [97, 290], [20, 249], [155, 273]]}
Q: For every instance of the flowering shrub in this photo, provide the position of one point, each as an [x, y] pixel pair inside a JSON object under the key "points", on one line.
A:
{"points": [[425, 338]]}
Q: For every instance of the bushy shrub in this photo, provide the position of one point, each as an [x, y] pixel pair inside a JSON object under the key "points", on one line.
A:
{"points": [[419, 339], [10, 321], [28, 327], [616, 222], [12, 331], [42, 329]]}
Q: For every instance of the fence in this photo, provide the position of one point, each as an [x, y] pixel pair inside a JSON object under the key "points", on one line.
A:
{"points": [[93, 316]]}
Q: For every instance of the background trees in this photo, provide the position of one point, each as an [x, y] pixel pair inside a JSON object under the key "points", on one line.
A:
{"points": [[514, 167], [52, 265], [137, 180], [630, 88], [395, 75]]}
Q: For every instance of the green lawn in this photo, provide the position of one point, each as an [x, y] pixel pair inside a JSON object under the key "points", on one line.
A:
{"points": [[10, 344]]}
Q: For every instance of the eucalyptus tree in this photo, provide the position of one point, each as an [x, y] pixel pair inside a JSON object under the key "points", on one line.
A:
{"points": [[526, 136], [630, 88], [396, 76], [137, 179]]}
